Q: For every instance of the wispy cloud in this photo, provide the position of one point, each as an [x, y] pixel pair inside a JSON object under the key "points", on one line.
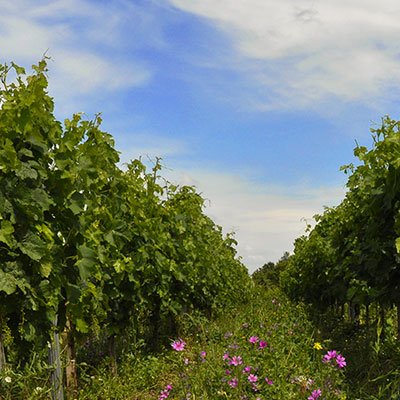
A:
{"points": [[267, 219], [307, 51], [85, 40], [150, 146]]}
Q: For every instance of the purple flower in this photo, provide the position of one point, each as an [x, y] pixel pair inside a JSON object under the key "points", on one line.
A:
{"points": [[203, 354], [268, 381], [246, 370], [245, 325], [227, 372], [253, 339], [178, 345], [314, 395]]}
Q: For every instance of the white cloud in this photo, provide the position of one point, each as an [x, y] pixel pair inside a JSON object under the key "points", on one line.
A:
{"points": [[267, 219], [84, 40], [307, 51], [149, 147]]}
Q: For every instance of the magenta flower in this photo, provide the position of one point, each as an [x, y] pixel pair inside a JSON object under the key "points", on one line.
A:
{"points": [[178, 345], [253, 339], [233, 382], [331, 354], [246, 370], [262, 344], [273, 300], [252, 378], [314, 395], [236, 360], [341, 361], [225, 356], [203, 354], [227, 372], [245, 325], [186, 361], [268, 381]]}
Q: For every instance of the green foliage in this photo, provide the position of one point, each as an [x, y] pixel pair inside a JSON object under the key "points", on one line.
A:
{"points": [[268, 276], [98, 248]]}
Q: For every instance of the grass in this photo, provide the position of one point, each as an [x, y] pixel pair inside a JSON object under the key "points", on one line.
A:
{"points": [[267, 348]]}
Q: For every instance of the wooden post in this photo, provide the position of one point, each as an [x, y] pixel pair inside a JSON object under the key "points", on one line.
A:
{"points": [[2, 354], [70, 369], [57, 391]]}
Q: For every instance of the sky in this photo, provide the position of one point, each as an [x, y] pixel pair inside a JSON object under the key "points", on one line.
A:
{"points": [[257, 103]]}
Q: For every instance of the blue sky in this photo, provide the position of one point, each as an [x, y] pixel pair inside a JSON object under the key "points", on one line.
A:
{"points": [[255, 102]]}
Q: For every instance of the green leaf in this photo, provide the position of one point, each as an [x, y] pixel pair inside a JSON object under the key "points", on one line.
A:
{"points": [[398, 244], [73, 293], [33, 247], [6, 234], [7, 283], [87, 261], [45, 269]]}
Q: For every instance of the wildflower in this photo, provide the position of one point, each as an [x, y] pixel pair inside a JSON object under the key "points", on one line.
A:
{"points": [[246, 370], [225, 356], [178, 345], [253, 339], [227, 372], [314, 395], [262, 344], [245, 325], [233, 382], [203, 354], [341, 361], [227, 334], [331, 354], [8, 379], [268, 381], [317, 346], [236, 360], [273, 301], [252, 378], [186, 361], [165, 393], [233, 346]]}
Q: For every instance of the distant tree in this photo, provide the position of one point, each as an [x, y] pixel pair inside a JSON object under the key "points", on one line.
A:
{"points": [[269, 274]]}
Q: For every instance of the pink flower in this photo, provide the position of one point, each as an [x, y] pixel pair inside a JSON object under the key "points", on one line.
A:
{"points": [[178, 345], [331, 354], [233, 382], [341, 361], [268, 381], [262, 344], [252, 378], [314, 395], [246, 370], [203, 354], [273, 300], [253, 339], [236, 360], [186, 361]]}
